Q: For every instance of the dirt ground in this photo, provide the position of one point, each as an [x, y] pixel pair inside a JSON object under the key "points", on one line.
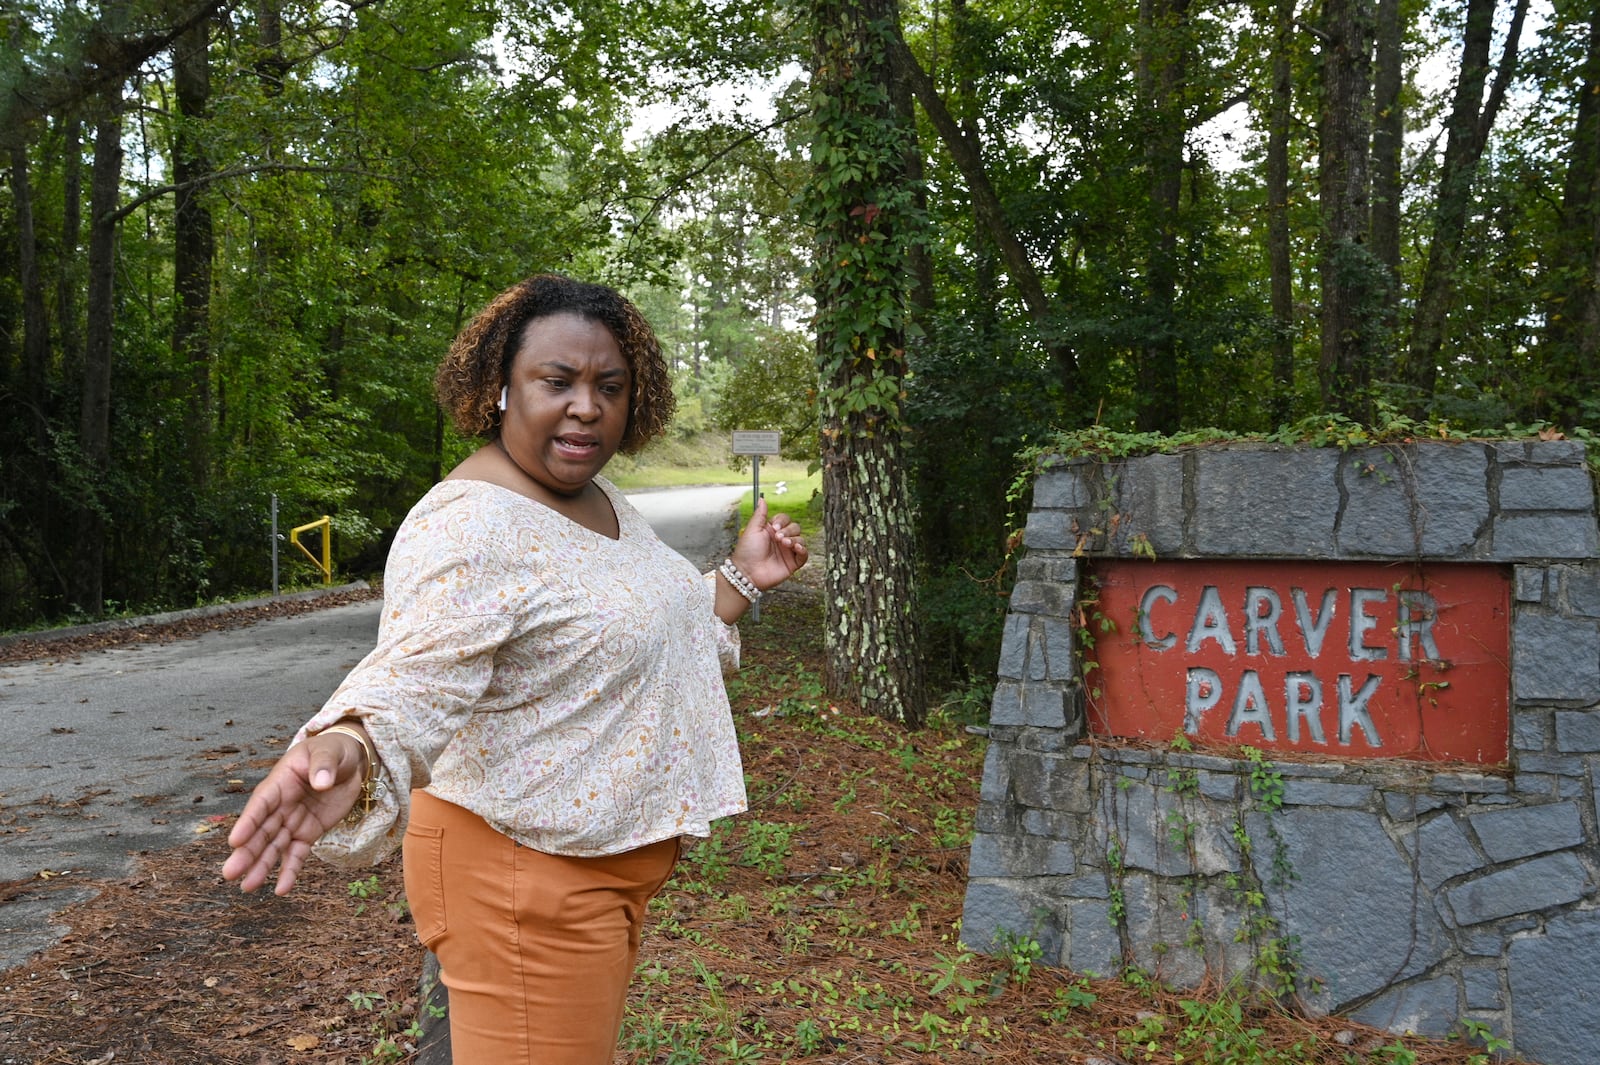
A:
{"points": [[820, 926]]}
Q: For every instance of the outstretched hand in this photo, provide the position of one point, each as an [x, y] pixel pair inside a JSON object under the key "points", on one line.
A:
{"points": [[769, 550], [306, 793]]}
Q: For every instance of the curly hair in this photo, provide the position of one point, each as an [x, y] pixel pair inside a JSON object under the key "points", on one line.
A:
{"points": [[478, 364]]}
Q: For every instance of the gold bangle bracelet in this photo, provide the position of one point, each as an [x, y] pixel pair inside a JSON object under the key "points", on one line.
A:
{"points": [[370, 787]]}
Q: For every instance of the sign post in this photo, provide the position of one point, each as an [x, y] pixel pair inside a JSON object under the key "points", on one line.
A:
{"points": [[755, 443]]}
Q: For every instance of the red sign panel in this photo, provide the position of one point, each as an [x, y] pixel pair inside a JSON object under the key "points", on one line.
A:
{"points": [[1349, 659]]}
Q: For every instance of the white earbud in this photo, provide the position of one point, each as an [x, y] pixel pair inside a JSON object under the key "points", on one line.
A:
{"points": [[502, 397]]}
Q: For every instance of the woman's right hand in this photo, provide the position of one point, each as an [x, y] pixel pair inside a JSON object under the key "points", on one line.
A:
{"points": [[306, 793]]}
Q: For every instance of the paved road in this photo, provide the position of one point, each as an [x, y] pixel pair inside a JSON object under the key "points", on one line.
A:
{"points": [[118, 752]]}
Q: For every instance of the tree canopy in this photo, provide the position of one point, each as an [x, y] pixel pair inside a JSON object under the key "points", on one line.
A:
{"points": [[241, 235]]}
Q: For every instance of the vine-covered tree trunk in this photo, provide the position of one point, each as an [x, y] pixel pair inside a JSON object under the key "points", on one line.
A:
{"points": [[1351, 277], [863, 209], [1570, 346], [1471, 118]]}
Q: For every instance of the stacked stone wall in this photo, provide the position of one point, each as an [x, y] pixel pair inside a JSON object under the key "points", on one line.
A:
{"points": [[1403, 893]]}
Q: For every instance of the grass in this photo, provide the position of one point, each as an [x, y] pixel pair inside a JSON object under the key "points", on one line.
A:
{"points": [[703, 459]]}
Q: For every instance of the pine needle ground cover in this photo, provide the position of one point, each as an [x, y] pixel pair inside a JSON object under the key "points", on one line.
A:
{"points": [[821, 926]]}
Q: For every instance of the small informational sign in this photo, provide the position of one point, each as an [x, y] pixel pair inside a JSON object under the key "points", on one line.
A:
{"points": [[755, 441], [1347, 659]]}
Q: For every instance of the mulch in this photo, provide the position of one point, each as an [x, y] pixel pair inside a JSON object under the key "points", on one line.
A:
{"points": [[172, 965]]}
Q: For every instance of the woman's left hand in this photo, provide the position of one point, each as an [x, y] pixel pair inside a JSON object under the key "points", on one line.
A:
{"points": [[769, 550]]}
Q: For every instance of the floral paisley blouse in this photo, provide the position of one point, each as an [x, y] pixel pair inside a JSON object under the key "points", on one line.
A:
{"points": [[564, 686]]}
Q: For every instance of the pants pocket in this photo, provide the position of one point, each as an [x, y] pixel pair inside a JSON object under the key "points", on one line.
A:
{"points": [[423, 866]]}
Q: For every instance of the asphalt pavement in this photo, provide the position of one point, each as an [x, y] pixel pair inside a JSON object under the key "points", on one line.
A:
{"points": [[110, 754]]}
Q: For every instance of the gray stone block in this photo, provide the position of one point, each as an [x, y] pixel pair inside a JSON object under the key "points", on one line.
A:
{"points": [[1555, 658], [1152, 926], [1569, 765], [1325, 793], [1093, 944], [1484, 941], [1044, 705], [1554, 880], [1578, 731], [1060, 649], [1005, 707], [1539, 452], [1525, 537], [1404, 806], [1013, 647], [1522, 831], [1429, 501], [1481, 985], [1265, 503], [1157, 832], [1048, 566], [1061, 489], [995, 907], [1582, 587], [996, 785], [1036, 665], [1530, 730], [1149, 495], [1546, 488], [1442, 851], [1054, 740], [1223, 786], [1468, 784], [1539, 786], [1571, 788], [1043, 597], [1427, 1007], [1054, 824], [1353, 901], [1528, 584], [1555, 991], [1050, 782], [994, 817], [1050, 530], [1020, 856]]}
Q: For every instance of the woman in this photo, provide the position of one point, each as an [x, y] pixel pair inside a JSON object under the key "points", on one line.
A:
{"points": [[544, 712]]}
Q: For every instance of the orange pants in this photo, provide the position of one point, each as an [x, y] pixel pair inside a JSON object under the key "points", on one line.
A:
{"points": [[536, 949]]}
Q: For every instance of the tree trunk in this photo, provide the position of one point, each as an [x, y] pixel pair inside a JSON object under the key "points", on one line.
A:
{"points": [[193, 245], [1280, 265], [1161, 71], [35, 325], [1570, 345], [1351, 277], [1388, 139], [94, 422], [68, 274], [864, 214], [1468, 130]]}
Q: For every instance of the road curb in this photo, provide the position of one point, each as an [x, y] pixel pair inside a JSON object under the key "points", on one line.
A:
{"points": [[178, 615]]}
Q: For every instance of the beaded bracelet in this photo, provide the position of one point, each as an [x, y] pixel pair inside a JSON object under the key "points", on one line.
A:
{"points": [[741, 584], [371, 787]]}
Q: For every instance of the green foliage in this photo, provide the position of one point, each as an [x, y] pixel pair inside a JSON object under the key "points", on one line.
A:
{"points": [[773, 385]]}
